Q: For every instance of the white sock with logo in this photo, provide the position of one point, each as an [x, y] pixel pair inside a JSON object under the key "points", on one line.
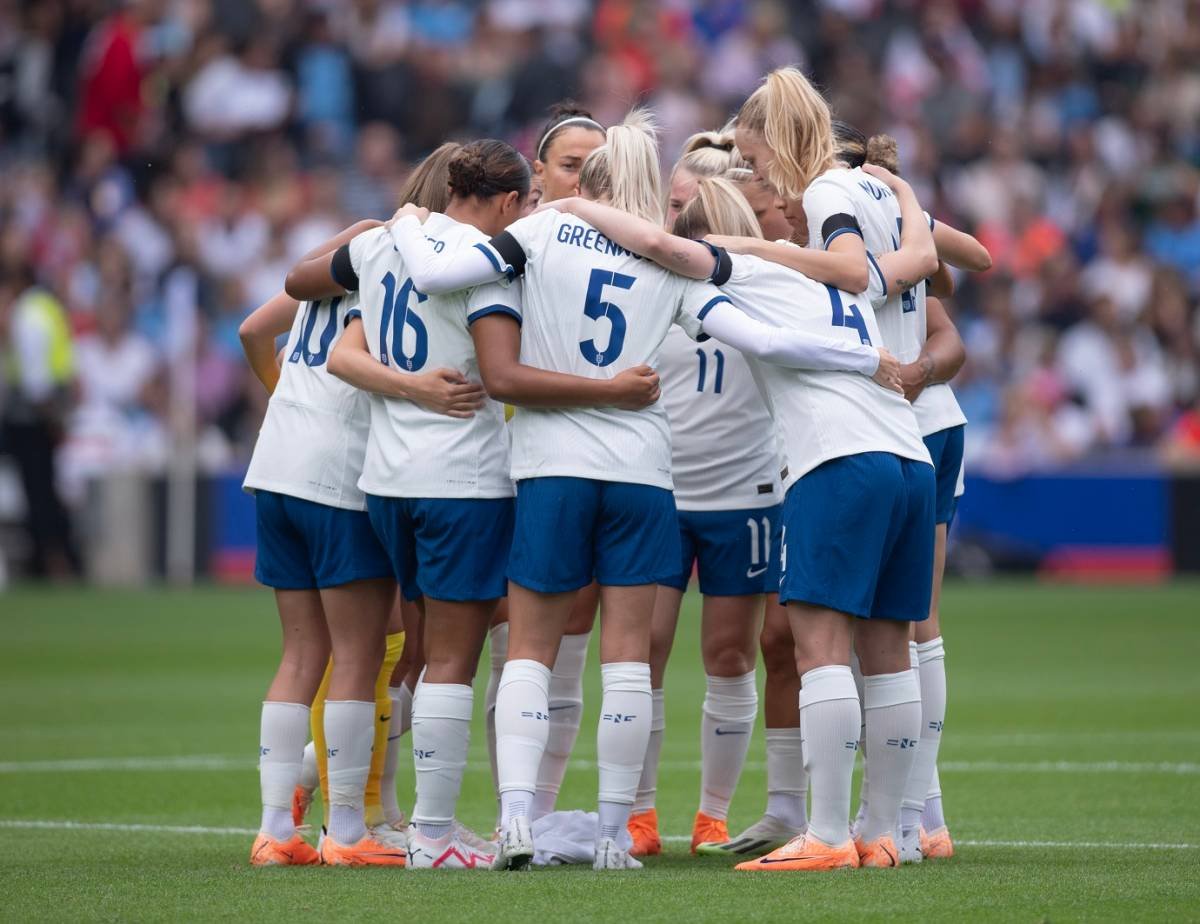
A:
{"points": [[566, 711], [787, 780], [892, 703], [863, 789], [647, 789], [730, 707], [401, 722], [349, 734], [932, 819], [624, 732], [829, 723], [283, 731], [522, 724], [441, 736], [931, 668]]}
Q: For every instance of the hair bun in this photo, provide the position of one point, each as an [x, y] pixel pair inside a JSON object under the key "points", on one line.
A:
{"points": [[566, 109], [883, 151], [467, 170]]}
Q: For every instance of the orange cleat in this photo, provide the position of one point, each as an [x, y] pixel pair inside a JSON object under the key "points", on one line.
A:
{"points": [[805, 852], [707, 829], [367, 852], [643, 828], [301, 800], [880, 853], [936, 844], [271, 851]]}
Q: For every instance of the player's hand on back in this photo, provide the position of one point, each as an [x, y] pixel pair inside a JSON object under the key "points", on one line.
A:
{"points": [[636, 388], [884, 175], [422, 214], [448, 392], [888, 373], [915, 376]]}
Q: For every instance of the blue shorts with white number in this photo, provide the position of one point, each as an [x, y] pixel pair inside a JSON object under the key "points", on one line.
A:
{"points": [[447, 548], [858, 537], [946, 449], [570, 531], [303, 545], [731, 549]]}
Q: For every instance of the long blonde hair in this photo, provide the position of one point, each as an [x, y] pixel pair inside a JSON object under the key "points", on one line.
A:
{"points": [[624, 170], [428, 185], [794, 121], [719, 208]]}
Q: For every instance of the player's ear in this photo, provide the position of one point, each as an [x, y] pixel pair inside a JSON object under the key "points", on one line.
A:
{"points": [[511, 202]]}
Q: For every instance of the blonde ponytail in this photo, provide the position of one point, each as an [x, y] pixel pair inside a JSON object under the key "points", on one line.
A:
{"points": [[794, 121], [624, 170], [709, 154], [719, 208]]}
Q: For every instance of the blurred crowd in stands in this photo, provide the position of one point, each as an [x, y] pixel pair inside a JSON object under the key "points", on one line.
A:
{"points": [[163, 162]]}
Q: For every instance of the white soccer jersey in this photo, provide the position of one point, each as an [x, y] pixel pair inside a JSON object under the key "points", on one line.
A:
{"points": [[822, 415], [413, 451], [830, 201], [723, 443], [593, 309], [314, 435]]}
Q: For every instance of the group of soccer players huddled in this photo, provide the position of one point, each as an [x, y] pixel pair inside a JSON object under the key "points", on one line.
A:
{"points": [[742, 375]]}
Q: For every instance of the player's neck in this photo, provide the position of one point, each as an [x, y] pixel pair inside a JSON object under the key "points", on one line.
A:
{"points": [[469, 212]]}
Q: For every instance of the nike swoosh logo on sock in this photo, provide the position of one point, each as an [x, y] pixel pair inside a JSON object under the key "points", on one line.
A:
{"points": [[721, 731]]}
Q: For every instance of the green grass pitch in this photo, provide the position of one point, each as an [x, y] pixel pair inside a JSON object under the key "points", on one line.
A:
{"points": [[1070, 767]]}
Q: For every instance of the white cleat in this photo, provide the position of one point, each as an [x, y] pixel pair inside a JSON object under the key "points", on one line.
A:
{"points": [[609, 855], [390, 835], [909, 844], [446, 852], [473, 840], [765, 835], [515, 850]]}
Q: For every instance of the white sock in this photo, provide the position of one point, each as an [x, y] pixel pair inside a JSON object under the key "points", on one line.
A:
{"points": [[625, 718], [402, 699], [566, 711], [310, 777], [932, 819], [283, 731], [522, 724], [892, 703], [349, 733], [829, 723], [787, 781], [861, 814], [730, 707], [441, 735], [647, 789], [931, 669]]}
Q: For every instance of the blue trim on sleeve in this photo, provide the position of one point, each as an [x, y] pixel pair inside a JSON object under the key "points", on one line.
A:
{"points": [[493, 309], [878, 272], [710, 304], [350, 316], [487, 251], [840, 231]]}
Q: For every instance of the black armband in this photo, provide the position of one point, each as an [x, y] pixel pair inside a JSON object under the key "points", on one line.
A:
{"points": [[840, 223], [342, 270], [724, 264], [511, 252]]}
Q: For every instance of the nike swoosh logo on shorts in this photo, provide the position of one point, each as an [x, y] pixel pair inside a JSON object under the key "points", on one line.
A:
{"points": [[751, 573]]}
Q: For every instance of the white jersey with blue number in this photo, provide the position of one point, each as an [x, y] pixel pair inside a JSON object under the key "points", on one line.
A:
{"points": [[314, 435], [723, 444], [593, 309], [413, 451], [901, 315], [822, 415]]}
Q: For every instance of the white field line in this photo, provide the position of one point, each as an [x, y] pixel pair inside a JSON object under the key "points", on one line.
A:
{"points": [[218, 762], [52, 825]]}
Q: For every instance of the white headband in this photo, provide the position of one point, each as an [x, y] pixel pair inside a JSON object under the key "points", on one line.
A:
{"points": [[574, 120]]}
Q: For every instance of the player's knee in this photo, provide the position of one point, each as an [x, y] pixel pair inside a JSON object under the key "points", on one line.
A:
{"points": [[727, 661]]}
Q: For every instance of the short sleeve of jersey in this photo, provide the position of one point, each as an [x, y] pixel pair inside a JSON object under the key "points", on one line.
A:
{"points": [[494, 298], [830, 213], [520, 242], [877, 287], [697, 300], [358, 247]]}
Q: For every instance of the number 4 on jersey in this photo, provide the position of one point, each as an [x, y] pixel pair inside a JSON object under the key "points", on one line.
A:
{"points": [[848, 316]]}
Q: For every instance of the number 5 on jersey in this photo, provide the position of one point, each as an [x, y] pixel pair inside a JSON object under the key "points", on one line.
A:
{"points": [[397, 320], [596, 308]]}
